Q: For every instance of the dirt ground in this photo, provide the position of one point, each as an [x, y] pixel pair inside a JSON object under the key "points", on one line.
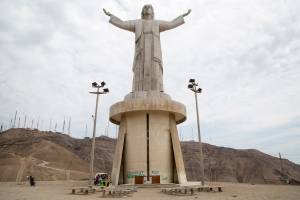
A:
{"points": [[61, 190]]}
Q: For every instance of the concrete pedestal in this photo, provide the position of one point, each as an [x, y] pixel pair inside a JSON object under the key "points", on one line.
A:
{"points": [[148, 143]]}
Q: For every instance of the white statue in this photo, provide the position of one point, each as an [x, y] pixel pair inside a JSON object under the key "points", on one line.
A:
{"points": [[147, 65]]}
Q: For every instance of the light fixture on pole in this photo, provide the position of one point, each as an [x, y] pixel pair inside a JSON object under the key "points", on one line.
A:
{"points": [[194, 87], [103, 91]]}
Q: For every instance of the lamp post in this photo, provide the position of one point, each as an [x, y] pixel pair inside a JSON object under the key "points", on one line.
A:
{"points": [[103, 91], [194, 87]]}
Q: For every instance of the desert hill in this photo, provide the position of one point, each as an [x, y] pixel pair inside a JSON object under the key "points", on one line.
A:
{"points": [[244, 166], [50, 156], [56, 156]]}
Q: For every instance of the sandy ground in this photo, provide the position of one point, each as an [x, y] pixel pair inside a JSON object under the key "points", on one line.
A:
{"points": [[62, 190]]}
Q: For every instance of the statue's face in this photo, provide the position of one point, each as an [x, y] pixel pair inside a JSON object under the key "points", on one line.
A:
{"points": [[147, 12]]}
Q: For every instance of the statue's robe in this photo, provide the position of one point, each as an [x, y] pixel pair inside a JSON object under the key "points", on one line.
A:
{"points": [[147, 65]]}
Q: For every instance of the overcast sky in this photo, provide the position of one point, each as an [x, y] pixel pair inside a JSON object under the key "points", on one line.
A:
{"points": [[244, 54]]}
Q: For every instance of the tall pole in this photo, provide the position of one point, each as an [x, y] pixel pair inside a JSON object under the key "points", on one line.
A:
{"points": [[63, 128], [85, 135], [69, 126], [50, 124], [25, 122], [19, 122], [104, 91], [15, 119], [281, 166], [200, 143], [194, 87], [93, 141], [55, 126], [38, 122]]}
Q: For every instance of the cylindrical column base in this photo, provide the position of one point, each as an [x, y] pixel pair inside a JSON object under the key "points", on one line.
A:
{"points": [[148, 149]]}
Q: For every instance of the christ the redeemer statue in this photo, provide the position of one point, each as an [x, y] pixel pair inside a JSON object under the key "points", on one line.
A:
{"points": [[147, 65]]}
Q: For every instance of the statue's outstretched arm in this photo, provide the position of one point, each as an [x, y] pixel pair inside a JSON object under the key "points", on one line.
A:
{"points": [[126, 25], [167, 25]]}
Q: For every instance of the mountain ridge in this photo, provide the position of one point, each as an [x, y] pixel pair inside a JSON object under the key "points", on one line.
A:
{"points": [[56, 156]]}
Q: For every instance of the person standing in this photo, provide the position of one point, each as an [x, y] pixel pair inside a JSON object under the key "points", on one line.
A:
{"points": [[31, 181]]}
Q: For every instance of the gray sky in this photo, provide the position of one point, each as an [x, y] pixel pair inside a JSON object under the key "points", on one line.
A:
{"points": [[244, 54]]}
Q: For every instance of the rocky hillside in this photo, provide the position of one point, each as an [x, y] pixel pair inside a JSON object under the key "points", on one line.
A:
{"points": [[56, 156], [50, 156], [244, 166]]}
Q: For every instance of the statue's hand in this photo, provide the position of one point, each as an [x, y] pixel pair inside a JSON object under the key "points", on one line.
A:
{"points": [[106, 12], [187, 13]]}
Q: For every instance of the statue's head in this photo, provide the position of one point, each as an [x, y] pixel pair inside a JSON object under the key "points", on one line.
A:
{"points": [[147, 12]]}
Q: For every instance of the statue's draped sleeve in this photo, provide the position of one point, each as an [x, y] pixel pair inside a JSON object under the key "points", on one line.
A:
{"points": [[167, 25], [126, 25]]}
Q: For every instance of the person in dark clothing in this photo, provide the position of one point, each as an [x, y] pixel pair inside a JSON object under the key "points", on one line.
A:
{"points": [[96, 182], [31, 181]]}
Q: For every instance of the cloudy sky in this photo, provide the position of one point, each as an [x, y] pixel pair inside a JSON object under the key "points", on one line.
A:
{"points": [[244, 54]]}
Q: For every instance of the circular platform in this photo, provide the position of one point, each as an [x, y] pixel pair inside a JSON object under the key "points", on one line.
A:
{"points": [[147, 104]]}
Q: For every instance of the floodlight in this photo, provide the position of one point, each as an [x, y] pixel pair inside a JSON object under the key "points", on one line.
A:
{"points": [[192, 80], [102, 84], [199, 90], [106, 90], [190, 86], [94, 84]]}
